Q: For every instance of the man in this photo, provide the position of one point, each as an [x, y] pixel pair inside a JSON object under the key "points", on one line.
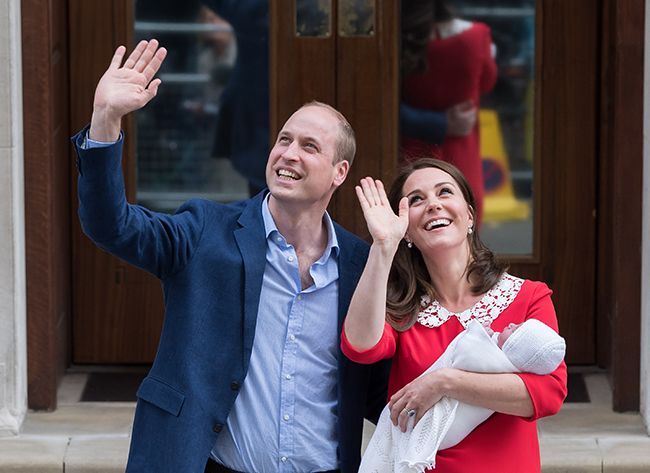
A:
{"points": [[249, 370]]}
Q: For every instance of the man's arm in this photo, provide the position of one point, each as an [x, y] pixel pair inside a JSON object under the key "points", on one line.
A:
{"points": [[156, 242]]}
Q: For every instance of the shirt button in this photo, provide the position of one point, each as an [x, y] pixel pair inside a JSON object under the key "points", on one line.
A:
{"points": [[290, 259], [288, 376], [285, 417], [284, 459], [299, 297], [279, 239], [292, 337], [217, 428], [234, 386]]}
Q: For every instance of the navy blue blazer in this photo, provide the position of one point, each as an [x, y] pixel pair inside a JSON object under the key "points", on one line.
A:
{"points": [[210, 258]]}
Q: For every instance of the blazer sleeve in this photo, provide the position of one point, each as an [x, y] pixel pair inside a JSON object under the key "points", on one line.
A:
{"points": [[159, 243], [547, 392]]}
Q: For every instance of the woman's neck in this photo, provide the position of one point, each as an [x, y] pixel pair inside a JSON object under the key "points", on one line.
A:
{"points": [[448, 273]]}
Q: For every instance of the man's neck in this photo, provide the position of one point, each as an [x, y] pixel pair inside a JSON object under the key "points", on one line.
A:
{"points": [[302, 227]]}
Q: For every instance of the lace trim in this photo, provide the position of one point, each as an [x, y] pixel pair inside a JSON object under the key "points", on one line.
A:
{"points": [[493, 302]]}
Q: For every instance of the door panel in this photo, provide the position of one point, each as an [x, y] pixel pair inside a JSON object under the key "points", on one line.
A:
{"points": [[117, 308]]}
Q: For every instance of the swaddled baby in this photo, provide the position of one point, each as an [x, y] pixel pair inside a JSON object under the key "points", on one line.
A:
{"points": [[530, 347]]}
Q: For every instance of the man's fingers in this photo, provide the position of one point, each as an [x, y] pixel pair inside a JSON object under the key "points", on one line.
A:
{"points": [[153, 88], [135, 55], [154, 65], [117, 57], [146, 56]]}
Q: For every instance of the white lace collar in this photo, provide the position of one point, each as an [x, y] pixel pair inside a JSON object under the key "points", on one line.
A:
{"points": [[493, 302]]}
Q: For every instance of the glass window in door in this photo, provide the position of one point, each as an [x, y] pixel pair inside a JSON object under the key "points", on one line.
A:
{"points": [[206, 134], [467, 97]]}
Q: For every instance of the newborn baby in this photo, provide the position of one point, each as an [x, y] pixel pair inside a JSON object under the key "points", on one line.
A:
{"points": [[530, 347]]}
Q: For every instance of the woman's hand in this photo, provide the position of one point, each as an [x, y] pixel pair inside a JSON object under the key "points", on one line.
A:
{"points": [[418, 396], [384, 226]]}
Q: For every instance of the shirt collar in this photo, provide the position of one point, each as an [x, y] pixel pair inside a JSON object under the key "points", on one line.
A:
{"points": [[270, 228]]}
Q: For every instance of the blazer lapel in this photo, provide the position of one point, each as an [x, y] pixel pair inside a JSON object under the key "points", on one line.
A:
{"points": [[351, 263], [252, 246]]}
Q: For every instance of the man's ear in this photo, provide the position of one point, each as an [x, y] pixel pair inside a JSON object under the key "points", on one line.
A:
{"points": [[341, 170]]}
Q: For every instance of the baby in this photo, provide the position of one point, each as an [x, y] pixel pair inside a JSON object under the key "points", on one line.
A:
{"points": [[530, 347]]}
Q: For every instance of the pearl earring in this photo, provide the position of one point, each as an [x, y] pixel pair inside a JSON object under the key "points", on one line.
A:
{"points": [[409, 243], [470, 230]]}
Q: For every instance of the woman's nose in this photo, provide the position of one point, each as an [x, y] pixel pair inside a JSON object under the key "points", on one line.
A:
{"points": [[433, 204]]}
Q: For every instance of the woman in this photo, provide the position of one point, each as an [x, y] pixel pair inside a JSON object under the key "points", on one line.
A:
{"points": [[427, 276], [452, 68]]}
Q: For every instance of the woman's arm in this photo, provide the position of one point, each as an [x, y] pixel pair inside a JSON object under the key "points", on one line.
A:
{"points": [[364, 324], [500, 392]]}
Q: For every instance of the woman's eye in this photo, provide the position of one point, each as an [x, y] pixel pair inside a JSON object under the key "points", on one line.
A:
{"points": [[446, 190], [414, 199]]}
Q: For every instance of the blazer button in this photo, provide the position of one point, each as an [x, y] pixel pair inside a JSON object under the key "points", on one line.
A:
{"points": [[217, 428], [234, 386]]}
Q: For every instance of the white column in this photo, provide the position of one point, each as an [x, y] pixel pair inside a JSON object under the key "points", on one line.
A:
{"points": [[645, 244], [13, 339]]}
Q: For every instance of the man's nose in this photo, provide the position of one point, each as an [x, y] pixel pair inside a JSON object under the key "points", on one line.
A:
{"points": [[292, 151]]}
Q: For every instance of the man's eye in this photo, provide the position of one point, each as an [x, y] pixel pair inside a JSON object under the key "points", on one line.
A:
{"points": [[283, 139]]}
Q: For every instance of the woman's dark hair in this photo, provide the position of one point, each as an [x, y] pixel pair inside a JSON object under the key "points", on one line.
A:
{"points": [[418, 17], [409, 279]]}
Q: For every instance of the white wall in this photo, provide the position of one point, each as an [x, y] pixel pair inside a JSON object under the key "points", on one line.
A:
{"points": [[645, 251], [13, 341]]}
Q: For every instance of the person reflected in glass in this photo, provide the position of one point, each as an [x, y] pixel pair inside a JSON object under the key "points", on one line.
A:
{"points": [[428, 275], [448, 65]]}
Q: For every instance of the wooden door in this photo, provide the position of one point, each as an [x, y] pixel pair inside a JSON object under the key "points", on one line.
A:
{"points": [[118, 309]]}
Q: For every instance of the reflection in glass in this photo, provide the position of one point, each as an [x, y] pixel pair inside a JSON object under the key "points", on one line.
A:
{"points": [[313, 17], [356, 17], [192, 139], [449, 69]]}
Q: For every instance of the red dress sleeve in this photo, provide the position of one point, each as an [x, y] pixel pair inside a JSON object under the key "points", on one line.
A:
{"points": [[385, 347], [547, 392]]}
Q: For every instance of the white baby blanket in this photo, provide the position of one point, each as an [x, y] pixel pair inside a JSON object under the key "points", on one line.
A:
{"points": [[447, 422]]}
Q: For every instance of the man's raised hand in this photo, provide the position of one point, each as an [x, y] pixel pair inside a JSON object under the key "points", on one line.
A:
{"points": [[125, 88]]}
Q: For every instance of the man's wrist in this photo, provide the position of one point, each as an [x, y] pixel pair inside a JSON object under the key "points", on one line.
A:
{"points": [[104, 126]]}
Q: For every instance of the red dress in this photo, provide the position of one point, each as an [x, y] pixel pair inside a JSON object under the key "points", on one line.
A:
{"points": [[503, 443], [460, 68]]}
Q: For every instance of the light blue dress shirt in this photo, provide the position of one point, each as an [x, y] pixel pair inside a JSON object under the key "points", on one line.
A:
{"points": [[285, 417]]}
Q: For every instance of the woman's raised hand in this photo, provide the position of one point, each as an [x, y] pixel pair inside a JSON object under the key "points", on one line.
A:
{"points": [[125, 87], [384, 226]]}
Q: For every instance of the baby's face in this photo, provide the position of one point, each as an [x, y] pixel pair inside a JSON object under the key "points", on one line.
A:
{"points": [[505, 334]]}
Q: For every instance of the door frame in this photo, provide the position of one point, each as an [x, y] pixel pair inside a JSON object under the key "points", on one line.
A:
{"points": [[620, 164]]}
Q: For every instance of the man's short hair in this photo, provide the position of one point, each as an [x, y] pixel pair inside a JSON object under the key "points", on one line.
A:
{"points": [[346, 145]]}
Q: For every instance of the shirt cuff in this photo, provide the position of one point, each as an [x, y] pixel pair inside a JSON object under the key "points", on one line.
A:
{"points": [[90, 144]]}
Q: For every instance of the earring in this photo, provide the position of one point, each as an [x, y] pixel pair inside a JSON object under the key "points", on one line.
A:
{"points": [[409, 243], [470, 230]]}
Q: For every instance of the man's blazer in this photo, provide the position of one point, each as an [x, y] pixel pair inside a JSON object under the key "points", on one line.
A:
{"points": [[210, 259]]}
